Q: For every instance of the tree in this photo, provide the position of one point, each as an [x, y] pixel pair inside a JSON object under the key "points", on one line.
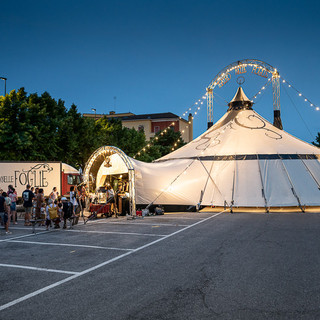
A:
{"points": [[112, 133], [162, 144], [39, 128], [317, 142]]}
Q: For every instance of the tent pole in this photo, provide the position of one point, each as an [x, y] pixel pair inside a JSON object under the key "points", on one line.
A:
{"points": [[205, 186], [132, 194], [262, 186], [290, 181], [209, 177], [233, 183]]}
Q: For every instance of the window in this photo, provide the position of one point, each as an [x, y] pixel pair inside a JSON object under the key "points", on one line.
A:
{"points": [[156, 129], [73, 180], [141, 128]]}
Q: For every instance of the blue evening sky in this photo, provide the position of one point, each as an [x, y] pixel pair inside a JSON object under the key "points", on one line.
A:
{"points": [[159, 55]]}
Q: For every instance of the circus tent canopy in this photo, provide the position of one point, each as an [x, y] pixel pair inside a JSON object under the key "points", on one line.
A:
{"points": [[241, 161]]}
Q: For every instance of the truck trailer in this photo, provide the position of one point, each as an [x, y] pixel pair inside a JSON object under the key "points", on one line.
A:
{"points": [[38, 174]]}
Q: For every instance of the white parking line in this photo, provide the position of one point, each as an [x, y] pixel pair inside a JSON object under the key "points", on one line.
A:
{"points": [[172, 216], [70, 245], [24, 236], [114, 232], [36, 269], [37, 292], [136, 223], [25, 228]]}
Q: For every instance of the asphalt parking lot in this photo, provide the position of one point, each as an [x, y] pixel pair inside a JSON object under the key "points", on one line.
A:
{"points": [[176, 266]]}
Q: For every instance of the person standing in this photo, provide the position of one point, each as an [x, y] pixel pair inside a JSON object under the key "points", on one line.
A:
{"points": [[111, 200], [3, 212], [54, 194], [83, 198], [67, 209], [40, 204], [73, 199], [13, 207], [8, 205], [27, 197]]}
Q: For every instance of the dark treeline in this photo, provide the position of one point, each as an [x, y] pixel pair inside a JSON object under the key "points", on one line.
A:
{"points": [[39, 128]]}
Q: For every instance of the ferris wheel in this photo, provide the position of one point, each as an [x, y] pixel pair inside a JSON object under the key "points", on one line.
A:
{"points": [[240, 67]]}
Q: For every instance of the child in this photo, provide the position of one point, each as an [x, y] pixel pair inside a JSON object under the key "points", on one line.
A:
{"points": [[58, 219], [48, 219]]}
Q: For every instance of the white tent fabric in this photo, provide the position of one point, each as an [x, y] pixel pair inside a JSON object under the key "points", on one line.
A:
{"points": [[242, 160]]}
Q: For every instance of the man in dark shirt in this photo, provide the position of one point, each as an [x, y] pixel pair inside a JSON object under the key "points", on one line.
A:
{"points": [[3, 213], [27, 197]]}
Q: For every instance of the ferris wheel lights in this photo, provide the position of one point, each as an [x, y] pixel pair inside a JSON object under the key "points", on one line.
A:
{"points": [[196, 102], [311, 105], [283, 81], [263, 88], [300, 94], [289, 86], [195, 113], [305, 99], [317, 108]]}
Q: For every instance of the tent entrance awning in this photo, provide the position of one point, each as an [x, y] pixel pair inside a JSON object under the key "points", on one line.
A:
{"points": [[109, 161]]}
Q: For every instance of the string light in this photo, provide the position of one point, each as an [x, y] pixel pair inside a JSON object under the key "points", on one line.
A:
{"points": [[197, 104], [300, 94]]}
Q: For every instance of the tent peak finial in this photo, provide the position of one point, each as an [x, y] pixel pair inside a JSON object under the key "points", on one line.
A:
{"points": [[240, 101]]}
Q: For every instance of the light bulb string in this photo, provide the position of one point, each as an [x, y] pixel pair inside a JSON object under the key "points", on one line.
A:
{"points": [[300, 94], [197, 104]]}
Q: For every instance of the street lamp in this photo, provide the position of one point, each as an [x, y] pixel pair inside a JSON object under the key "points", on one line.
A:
{"points": [[95, 111], [5, 84]]}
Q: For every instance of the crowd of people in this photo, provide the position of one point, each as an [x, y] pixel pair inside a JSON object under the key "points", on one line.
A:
{"points": [[46, 211]]}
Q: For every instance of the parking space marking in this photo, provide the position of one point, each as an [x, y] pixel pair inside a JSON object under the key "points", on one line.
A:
{"points": [[24, 228], [144, 224], [115, 232], [70, 245], [24, 236], [176, 217], [75, 276], [36, 269]]}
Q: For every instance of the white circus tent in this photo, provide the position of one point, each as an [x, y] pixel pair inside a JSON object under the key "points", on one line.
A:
{"points": [[241, 161]]}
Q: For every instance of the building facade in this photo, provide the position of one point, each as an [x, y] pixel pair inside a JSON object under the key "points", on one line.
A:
{"points": [[152, 123]]}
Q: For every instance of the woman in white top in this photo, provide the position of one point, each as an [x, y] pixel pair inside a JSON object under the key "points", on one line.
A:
{"points": [[54, 194], [73, 199]]}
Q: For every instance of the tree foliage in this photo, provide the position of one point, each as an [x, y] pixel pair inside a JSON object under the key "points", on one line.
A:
{"points": [[39, 128], [317, 142]]}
